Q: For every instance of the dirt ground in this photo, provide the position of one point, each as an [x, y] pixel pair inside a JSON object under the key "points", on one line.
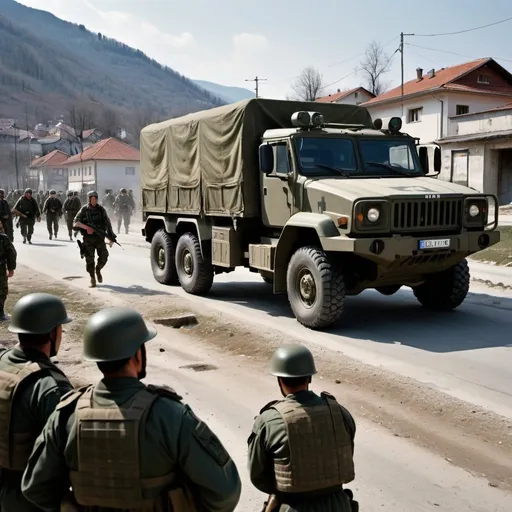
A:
{"points": [[501, 253], [465, 435]]}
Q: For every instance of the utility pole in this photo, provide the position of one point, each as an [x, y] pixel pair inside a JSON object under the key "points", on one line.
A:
{"points": [[16, 156], [402, 66], [256, 80]]}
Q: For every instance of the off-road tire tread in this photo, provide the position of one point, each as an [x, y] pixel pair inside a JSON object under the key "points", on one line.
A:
{"points": [[430, 294], [333, 285], [204, 268], [170, 275]]}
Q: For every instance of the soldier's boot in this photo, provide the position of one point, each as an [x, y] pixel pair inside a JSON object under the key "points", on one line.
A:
{"points": [[50, 236], [24, 239], [93, 280], [98, 275], [30, 240], [3, 316], [56, 233]]}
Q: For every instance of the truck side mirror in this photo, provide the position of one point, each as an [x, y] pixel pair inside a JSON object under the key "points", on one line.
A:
{"points": [[266, 159], [437, 160], [423, 154]]}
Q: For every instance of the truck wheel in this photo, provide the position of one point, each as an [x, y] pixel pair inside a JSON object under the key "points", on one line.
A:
{"points": [[445, 290], [195, 273], [163, 263], [388, 290], [316, 288]]}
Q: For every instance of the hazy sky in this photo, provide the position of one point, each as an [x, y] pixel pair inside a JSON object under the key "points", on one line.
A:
{"points": [[227, 41]]}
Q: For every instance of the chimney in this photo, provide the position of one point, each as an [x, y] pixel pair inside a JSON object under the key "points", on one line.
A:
{"points": [[339, 90], [432, 73], [419, 74]]}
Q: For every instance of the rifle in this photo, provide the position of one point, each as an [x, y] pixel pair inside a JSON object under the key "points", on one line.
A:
{"points": [[82, 249], [104, 234]]}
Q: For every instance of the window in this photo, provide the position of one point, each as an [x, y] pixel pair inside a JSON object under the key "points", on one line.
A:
{"points": [[129, 171], [386, 157], [90, 170], [461, 110], [415, 115], [282, 163], [460, 167], [483, 79], [70, 172]]}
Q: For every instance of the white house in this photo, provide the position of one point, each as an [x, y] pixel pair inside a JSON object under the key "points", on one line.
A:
{"points": [[351, 97], [49, 172], [108, 164], [432, 99]]}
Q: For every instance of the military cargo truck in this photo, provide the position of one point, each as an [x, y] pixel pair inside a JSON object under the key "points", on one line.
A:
{"points": [[319, 199]]}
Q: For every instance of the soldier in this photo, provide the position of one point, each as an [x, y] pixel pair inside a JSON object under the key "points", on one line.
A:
{"points": [[108, 201], [123, 206], [301, 448], [71, 208], [31, 387], [6, 216], [91, 217], [122, 445], [8, 257], [53, 209], [26, 207], [40, 199]]}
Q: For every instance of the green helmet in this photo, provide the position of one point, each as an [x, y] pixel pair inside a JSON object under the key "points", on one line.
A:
{"points": [[70, 193], [52, 192], [123, 191], [113, 334], [28, 191], [38, 313], [92, 193], [292, 360]]}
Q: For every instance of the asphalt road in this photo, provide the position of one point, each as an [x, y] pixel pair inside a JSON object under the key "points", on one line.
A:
{"points": [[466, 353]]}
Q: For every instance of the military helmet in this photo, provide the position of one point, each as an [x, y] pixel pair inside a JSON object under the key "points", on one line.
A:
{"points": [[2, 191], [70, 193], [28, 191], [293, 360], [52, 192], [92, 193], [75, 193], [113, 334], [38, 313], [123, 191]]}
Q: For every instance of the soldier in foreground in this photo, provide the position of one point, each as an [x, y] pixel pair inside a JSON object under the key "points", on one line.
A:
{"points": [[28, 210], [6, 216], [301, 448], [53, 209], [134, 440], [71, 208], [91, 220], [8, 257], [31, 387], [123, 207]]}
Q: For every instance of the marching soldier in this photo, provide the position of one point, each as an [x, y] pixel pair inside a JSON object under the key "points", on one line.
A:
{"points": [[71, 208], [301, 448], [123, 206], [31, 387], [53, 209], [91, 220], [28, 210], [108, 201], [122, 445], [8, 257], [6, 216]]}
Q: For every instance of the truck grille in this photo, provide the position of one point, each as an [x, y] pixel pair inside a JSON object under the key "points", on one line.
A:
{"points": [[427, 214]]}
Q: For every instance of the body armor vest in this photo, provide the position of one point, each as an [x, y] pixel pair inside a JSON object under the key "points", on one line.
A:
{"points": [[108, 472], [16, 447], [53, 205], [123, 203], [72, 205], [320, 447], [94, 217]]}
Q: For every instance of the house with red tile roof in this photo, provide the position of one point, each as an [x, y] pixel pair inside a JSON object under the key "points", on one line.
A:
{"points": [[49, 172], [431, 99], [349, 97], [108, 164]]}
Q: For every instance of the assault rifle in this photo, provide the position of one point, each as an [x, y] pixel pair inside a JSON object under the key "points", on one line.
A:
{"points": [[104, 234]]}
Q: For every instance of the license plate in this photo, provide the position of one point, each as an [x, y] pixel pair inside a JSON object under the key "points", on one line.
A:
{"points": [[435, 244]]}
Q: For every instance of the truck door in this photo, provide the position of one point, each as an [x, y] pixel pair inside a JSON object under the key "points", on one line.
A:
{"points": [[276, 194]]}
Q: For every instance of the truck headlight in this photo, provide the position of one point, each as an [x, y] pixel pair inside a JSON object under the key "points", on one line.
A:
{"points": [[373, 214], [474, 210]]}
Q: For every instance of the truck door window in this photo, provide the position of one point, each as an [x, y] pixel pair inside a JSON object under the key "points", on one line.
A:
{"points": [[282, 162]]}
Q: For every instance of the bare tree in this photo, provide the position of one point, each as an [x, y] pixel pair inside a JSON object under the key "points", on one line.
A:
{"points": [[309, 84], [374, 65], [109, 122], [80, 117]]}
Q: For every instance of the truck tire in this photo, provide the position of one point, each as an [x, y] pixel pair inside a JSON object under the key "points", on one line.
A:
{"points": [[162, 254], [316, 288], [194, 272], [389, 290], [445, 290]]}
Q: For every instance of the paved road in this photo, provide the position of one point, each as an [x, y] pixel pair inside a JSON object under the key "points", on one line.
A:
{"points": [[466, 353]]}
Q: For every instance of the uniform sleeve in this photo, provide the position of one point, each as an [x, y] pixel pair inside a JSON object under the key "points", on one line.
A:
{"points": [[260, 464], [80, 216], [46, 478], [207, 465], [11, 254], [17, 205], [47, 395], [45, 206]]}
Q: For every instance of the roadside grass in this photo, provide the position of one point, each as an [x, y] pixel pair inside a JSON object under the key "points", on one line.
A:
{"points": [[501, 253]]}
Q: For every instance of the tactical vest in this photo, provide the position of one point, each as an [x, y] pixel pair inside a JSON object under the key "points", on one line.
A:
{"points": [[124, 203], [16, 447], [320, 447], [94, 217], [53, 205], [108, 473]]}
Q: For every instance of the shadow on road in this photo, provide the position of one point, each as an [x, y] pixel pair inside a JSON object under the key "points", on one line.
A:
{"points": [[479, 323], [132, 290], [39, 244]]}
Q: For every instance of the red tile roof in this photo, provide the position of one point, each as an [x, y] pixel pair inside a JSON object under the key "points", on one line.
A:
{"points": [[331, 98], [55, 158], [443, 79], [107, 149]]}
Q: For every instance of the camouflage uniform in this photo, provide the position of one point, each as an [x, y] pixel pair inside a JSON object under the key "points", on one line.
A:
{"points": [[108, 202], [123, 206], [6, 216], [71, 208], [30, 209], [53, 209], [8, 258]]}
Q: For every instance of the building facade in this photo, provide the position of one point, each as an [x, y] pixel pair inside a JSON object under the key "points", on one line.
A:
{"points": [[350, 97]]}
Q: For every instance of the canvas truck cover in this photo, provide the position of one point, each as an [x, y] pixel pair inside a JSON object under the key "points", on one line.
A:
{"points": [[207, 162]]}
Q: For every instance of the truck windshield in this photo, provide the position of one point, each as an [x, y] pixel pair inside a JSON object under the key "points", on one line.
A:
{"points": [[332, 156]]}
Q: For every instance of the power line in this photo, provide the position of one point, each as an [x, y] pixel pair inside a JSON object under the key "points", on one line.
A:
{"points": [[452, 53], [466, 30], [340, 79]]}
